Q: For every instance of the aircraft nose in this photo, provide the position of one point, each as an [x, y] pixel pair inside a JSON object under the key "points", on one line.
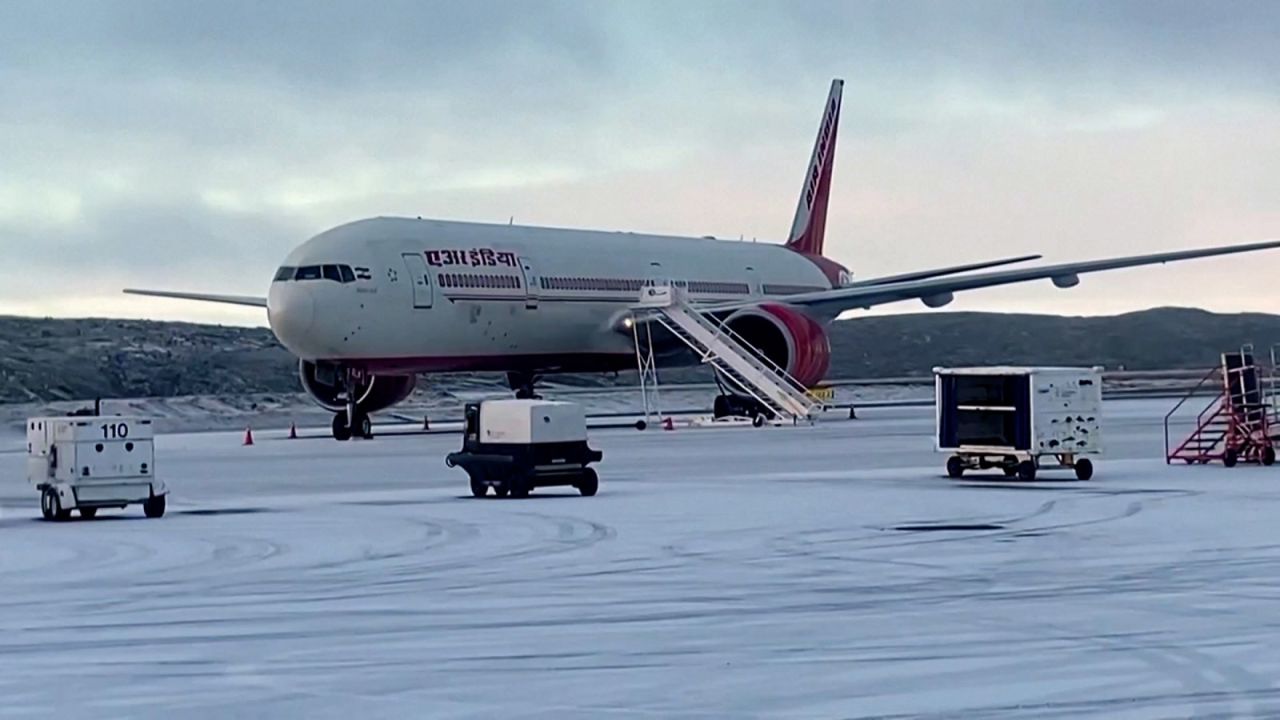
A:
{"points": [[291, 311]]}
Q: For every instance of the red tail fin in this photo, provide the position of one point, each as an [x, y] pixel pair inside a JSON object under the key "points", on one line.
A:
{"points": [[810, 224]]}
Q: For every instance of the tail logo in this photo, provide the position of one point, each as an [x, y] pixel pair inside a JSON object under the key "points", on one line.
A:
{"points": [[824, 143]]}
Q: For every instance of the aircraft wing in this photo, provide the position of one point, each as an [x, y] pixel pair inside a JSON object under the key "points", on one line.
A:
{"points": [[203, 297], [939, 272], [936, 292]]}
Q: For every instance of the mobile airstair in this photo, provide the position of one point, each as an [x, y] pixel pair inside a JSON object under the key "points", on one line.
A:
{"points": [[1238, 424], [717, 345]]}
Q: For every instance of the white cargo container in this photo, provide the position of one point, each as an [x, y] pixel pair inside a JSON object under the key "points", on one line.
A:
{"points": [[515, 446], [1018, 419], [88, 462]]}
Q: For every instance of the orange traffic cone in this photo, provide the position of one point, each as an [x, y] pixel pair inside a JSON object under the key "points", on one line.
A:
{"points": [[248, 436], [667, 424], [293, 431]]}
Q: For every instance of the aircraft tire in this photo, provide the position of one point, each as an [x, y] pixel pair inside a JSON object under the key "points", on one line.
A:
{"points": [[341, 432]]}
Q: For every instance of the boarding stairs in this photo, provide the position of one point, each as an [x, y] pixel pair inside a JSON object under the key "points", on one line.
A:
{"points": [[1237, 425], [720, 347]]}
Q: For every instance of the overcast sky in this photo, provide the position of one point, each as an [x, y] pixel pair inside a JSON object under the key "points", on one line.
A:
{"points": [[190, 145]]}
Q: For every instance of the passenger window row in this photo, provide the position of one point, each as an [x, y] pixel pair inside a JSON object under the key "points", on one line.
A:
{"points": [[469, 280], [633, 286], [336, 273]]}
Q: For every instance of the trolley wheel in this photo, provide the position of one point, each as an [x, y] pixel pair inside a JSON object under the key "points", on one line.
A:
{"points": [[757, 421], [1009, 470], [955, 467], [589, 483], [641, 425], [478, 487], [1268, 456], [88, 513], [154, 506], [519, 487], [1230, 458], [1027, 470], [48, 504], [1084, 469], [57, 513]]}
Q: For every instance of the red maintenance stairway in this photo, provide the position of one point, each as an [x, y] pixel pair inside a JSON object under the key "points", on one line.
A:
{"points": [[1237, 426]]}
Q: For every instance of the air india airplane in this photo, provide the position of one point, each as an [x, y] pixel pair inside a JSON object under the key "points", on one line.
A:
{"points": [[370, 305]]}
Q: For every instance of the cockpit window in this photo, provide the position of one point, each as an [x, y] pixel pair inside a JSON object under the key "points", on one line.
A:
{"points": [[309, 272], [337, 273]]}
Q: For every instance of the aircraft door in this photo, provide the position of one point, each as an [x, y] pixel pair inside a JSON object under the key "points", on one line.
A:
{"points": [[532, 283], [754, 285], [420, 276]]}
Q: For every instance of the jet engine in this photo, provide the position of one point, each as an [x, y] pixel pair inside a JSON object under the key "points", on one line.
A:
{"points": [[323, 383], [787, 337]]}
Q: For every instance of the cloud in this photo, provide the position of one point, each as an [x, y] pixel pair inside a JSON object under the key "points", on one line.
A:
{"points": [[191, 145]]}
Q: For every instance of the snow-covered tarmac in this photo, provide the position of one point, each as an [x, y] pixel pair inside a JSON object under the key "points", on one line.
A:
{"points": [[720, 573]]}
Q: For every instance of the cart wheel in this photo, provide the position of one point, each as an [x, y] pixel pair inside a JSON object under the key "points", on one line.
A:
{"points": [[757, 421], [520, 484], [1268, 456], [1084, 469], [154, 506], [955, 467], [589, 483], [478, 487], [1026, 470], [48, 504], [1229, 458], [58, 513], [366, 426], [1009, 470], [88, 513], [641, 425]]}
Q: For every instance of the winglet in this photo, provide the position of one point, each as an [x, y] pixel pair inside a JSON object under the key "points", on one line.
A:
{"points": [[810, 224]]}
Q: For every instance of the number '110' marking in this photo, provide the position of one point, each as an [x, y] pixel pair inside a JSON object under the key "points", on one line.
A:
{"points": [[115, 431]]}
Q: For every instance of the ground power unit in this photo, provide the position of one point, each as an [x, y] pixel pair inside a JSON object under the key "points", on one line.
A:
{"points": [[1019, 419], [89, 462], [515, 446]]}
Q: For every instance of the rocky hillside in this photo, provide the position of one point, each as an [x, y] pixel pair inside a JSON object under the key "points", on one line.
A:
{"points": [[47, 360]]}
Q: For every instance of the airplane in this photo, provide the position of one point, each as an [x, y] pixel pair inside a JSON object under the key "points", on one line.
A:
{"points": [[368, 306]]}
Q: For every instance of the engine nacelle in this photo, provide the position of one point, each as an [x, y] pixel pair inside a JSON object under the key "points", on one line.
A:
{"points": [[1066, 281], [378, 392], [787, 337]]}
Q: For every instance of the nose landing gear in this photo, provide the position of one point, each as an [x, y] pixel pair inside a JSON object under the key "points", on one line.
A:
{"points": [[345, 430], [354, 422]]}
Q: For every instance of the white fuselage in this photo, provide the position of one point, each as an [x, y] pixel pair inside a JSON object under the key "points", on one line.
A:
{"points": [[407, 295]]}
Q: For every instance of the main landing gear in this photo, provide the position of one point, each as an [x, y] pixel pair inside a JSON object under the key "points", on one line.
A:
{"points": [[353, 422], [522, 383]]}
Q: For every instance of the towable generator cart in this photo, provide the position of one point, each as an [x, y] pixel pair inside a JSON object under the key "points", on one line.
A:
{"points": [[515, 446], [89, 462], [1018, 419]]}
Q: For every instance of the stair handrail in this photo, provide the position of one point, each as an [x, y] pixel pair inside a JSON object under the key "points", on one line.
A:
{"points": [[709, 356], [787, 378], [1190, 393], [762, 363]]}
